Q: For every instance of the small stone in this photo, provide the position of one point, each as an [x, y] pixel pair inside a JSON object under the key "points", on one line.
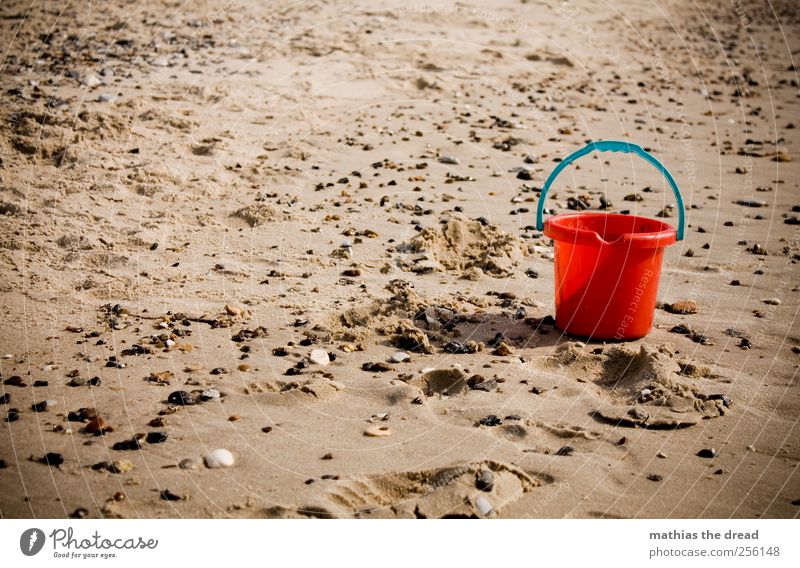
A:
{"points": [[483, 506], [399, 357], [130, 444], [490, 420], [319, 357], [378, 432], [682, 307], [661, 455], [772, 301], [156, 437], [654, 477], [565, 451], [485, 480], [220, 371], [168, 495], [52, 458], [328, 456], [41, 406], [244, 368], [449, 160], [189, 463], [97, 426], [210, 394], [707, 453], [79, 513], [219, 458], [503, 350], [379, 367], [121, 466], [638, 413], [181, 398], [90, 80], [751, 203]]}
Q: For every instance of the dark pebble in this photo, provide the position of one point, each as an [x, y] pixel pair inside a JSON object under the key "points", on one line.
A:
{"points": [[182, 398], [565, 451], [490, 420], [79, 513], [654, 477], [379, 367], [156, 437], [707, 453], [168, 495], [52, 458], [39, 406], [129, 445], [484, 480]]}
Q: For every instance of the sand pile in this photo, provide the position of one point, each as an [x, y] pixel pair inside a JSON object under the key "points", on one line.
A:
{"points": [[411, 321], [469, 248], [648, 378]]}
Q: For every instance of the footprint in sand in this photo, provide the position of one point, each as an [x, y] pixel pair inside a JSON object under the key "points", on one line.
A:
{"points": [[470, 490]]}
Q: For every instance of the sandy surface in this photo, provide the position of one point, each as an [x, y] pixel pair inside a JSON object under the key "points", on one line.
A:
{"points": [[197, 196]]}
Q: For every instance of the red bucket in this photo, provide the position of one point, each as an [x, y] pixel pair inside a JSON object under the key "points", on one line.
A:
{"points": [[607, 266]]}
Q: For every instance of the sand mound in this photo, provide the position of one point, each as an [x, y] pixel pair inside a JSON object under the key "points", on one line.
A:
{"points": [[642, 388], [258, 214], [410, 321], [463, 246]]}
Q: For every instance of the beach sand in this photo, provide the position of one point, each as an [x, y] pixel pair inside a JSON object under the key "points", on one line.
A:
{"points": [[197, 196]]}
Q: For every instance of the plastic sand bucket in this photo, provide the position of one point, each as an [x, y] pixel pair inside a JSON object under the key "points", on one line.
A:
{"points": [[607, 265]]}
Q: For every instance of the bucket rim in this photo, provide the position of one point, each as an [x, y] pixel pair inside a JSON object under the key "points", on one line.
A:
{"points": [[664, 237]]}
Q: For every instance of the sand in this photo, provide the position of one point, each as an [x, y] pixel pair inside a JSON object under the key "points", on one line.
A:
{"points": [[195, 196]]}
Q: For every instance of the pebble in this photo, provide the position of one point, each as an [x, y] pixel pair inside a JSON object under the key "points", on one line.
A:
{"points": [[218, 458], [52, 458], [565, 451], [449, 160], [483, 505], [378, 367], [210, 394], [97, 426], [772, 301], [654, 477], [90, 81], [378, 432], [121, 466], [491, 420], [189, 463], [707, 453], [156, 437], [319, 357], [683, 307], [399, 357], [181, 398], [751, 203], [485, 480]]}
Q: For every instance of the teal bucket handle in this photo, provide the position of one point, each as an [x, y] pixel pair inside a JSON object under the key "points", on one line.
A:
{"points": [[612, 146]]}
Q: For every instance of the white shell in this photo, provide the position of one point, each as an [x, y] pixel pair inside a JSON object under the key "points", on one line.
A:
{"points": [[399, 357], [483, 505], [219, 458]]}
